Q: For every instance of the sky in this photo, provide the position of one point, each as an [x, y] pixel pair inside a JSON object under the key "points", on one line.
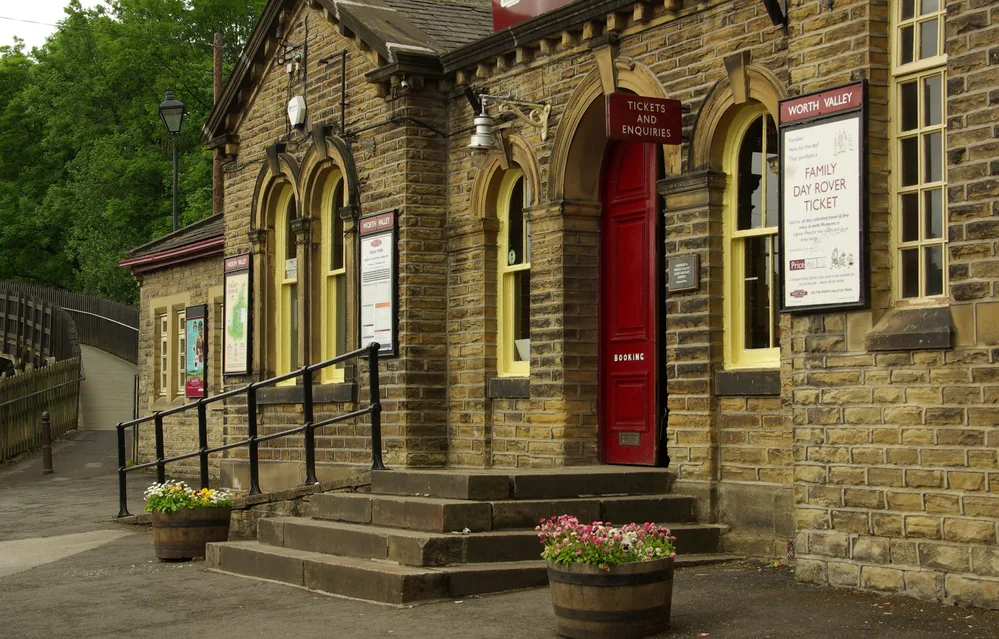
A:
{"points": [[47, 11]]}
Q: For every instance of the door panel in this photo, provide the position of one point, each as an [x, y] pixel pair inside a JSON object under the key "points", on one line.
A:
{"points": [[629, 306]]}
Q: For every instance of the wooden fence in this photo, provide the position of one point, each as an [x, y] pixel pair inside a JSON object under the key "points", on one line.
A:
{"points": [[23, 399], [34, 331], [100, 322]]}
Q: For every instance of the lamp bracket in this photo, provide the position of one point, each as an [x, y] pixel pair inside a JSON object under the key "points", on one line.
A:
{"points": [[532, 113]]}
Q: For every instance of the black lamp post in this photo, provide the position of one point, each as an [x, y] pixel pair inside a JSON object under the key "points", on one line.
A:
{"points": [[172, 114]]}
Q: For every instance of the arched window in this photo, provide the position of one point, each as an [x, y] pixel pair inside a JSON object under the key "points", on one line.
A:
{"points": [[752, 338], [514, 277], [333, 277], [286, 284]]}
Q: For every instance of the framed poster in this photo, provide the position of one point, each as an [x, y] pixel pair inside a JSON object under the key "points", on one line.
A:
{"points": [[196, 344], [237, 328], [379, 282], [823, 234]]}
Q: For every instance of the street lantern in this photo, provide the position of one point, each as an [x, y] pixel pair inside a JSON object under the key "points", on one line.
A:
{"points": [[172, 114]]}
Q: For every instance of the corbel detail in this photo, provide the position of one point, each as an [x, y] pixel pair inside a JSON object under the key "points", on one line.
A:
{"points": [[735, 66], [605, 49], [302, 228]]}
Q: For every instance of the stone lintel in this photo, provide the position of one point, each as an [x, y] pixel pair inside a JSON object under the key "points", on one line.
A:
{"points": [[755, 382], [509, 388], [912, 329]]}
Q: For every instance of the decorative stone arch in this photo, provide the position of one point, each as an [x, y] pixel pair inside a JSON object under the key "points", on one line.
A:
{"points": [[581, 135], [513, 150], [328, 152], [279, 166], [743, 83]]}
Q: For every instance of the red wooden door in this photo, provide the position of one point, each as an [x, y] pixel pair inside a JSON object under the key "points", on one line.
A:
{"points": [[629, 305]]}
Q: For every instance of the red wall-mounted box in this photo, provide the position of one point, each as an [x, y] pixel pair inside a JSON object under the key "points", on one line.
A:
{"points": [[509, 12]]}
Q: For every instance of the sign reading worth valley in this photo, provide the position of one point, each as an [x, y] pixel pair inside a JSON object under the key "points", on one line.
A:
{"points": [[639, 119], [378, 281], [822, 221], [236, 328], [196, 345]]}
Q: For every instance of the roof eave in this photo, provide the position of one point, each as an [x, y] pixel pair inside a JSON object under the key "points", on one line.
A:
{"points": [[179, 255]]}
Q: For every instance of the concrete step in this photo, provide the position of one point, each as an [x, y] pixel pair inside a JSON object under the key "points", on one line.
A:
{"points": [[420, 548], [446, 515], [384, 581], [537, 484]]}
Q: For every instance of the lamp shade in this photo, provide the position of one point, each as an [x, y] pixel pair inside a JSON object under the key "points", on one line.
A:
{"points": [[172, 113], [482, 139]]}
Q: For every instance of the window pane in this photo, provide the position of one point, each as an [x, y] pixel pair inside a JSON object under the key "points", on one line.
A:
{"points": [[772, 170], [906, 44], [908, 9], [756, 287], [928, 6], [292, 344], [521, 281], [340, 339], [909, 94], [515, 225], [933, 160], [933, 258], [910, 273], [927, 39], [750, 178], [289, 239], [336, 230], [909, 160], [775, 266], [932, 103], [910, 217], [933, 207]]}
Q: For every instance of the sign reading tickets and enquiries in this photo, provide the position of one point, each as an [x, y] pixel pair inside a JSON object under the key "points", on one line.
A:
{"points": [[196, 345], [236, 329], [379, 279], [639, 119], [823, 231]]}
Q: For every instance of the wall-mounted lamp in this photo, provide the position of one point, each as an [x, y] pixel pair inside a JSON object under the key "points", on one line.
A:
{"points": [[297, 111], [532, 113]]}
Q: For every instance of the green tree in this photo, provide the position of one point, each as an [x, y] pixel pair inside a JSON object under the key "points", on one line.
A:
{"points": [[85, 163]]}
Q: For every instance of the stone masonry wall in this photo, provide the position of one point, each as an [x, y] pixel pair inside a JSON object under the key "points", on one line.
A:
{"points": [[170, 290], [895, 452]]}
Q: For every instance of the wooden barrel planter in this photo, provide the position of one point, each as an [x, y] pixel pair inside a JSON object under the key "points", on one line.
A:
{"points": [[628, 601], [184, 533]]}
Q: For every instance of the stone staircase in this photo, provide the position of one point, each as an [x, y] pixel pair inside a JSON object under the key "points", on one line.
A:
{"points": [[405, 541]]}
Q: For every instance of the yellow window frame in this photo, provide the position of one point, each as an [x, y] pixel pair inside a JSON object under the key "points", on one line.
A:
{"points": [[505, 291], [917, 71], [283, 287], [737, 356], [181, 362], [329, 326]]}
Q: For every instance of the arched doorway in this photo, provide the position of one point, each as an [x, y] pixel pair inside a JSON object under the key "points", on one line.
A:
{"points": [[630, 305]]}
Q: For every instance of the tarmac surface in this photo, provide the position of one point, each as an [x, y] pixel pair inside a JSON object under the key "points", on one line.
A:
{"points": [[66, 570]]}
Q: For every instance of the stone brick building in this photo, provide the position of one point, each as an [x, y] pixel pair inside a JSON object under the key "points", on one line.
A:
{"points": [[534, 324]]}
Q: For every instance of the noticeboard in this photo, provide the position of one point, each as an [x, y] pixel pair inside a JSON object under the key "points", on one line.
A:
{"points": [[196, 347], [379, 282], [236, 329], [823, 234]]}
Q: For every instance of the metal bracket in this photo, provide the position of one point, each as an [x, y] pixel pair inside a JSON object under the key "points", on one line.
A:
{"points": [[532, 113]]}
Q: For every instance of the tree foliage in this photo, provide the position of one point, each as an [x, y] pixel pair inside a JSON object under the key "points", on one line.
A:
{"points": [[85, 162]]}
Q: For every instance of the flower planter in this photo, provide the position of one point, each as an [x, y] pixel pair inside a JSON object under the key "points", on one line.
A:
{"points": [[182, 534], [627, 601]]}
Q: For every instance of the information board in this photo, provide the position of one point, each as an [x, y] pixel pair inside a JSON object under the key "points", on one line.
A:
{"points": [[236, 329], [823, 233], [379, 279], [684, 273], [196, 345]]}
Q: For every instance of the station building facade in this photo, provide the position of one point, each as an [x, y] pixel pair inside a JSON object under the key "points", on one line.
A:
{"points": [[534, 323]]}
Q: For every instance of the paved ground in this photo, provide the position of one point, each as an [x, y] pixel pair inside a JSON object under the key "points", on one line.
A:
{"points": [[107, 394], [91, 578]]}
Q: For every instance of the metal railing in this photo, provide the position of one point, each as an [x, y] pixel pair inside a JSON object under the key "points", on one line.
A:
{"points": [[254, 440]]}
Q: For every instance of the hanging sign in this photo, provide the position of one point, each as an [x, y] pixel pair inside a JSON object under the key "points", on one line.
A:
{"points": [[823, 233], [196, 345], [236, 328], [639, 119], [379, 282]]}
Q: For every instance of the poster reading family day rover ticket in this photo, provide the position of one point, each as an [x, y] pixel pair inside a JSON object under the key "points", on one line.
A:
{"points": [[823, 230]]}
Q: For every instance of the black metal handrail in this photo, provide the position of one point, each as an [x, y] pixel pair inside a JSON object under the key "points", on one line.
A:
{"points": [[253, 440]]}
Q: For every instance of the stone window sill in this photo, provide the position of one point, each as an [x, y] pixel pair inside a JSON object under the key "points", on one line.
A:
{"points": [[747, 382], [509, 388], [912, 328], [321, 394]]}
